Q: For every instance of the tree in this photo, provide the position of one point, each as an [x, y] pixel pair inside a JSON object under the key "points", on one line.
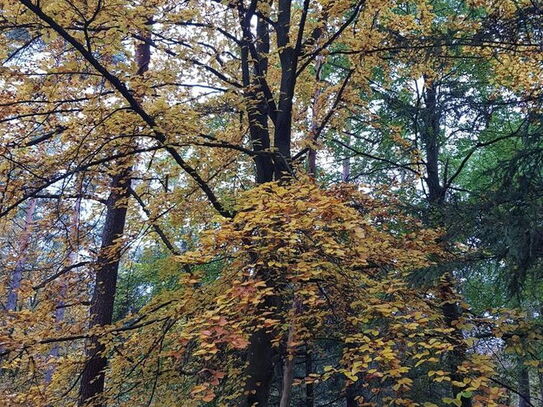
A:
{"points": [[237, 96]]}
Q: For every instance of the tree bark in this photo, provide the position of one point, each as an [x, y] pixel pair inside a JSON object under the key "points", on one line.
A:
{"points": [[452, 313], [430, 138], [17, 275], [257, 106], [540, 378], [105, 285], [288, 378], [261, 355], [309, 387], [524, 386], [107, 265], [290, 354], [60, 309], [312, 155], [289, 62], [350, 395], [259, 372]]}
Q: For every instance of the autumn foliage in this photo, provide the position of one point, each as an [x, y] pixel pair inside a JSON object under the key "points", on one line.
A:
{"points": [[309, 266], [271, 203]]}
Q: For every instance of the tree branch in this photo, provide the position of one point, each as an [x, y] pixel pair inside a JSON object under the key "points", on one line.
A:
{"points": [[129, 97]]}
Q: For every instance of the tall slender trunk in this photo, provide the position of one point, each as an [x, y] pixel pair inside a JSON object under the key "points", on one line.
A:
{"points": [[430, 136], [288, 376], [350, 396], [257, 106], [105, 285], [260, 369], [290, 354], [289, 62], [24, 241], [309, 387], [261, 355], [107, 265], [346, 164], [540, 378], [452, 312], [312, 155], [524, 386], [60, 310]]}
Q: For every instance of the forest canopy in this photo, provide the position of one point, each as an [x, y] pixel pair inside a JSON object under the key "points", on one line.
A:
{"points": [[271, 203]]}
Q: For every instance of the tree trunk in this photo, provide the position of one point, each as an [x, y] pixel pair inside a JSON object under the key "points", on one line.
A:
{"points": [[261, 355], [257, 106], [430, 138], [259, 372], [288, 378], [290, 354], [350, 395], [289, 62], [309, 387], [107, 266], [540, 377], [60, 309], [346, 163], [524, 386], [452, 313], [261, 361], [17, 275], [312, 155]]}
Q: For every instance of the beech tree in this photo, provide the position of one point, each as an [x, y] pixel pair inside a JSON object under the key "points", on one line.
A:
{"points": [[206, 131]]}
